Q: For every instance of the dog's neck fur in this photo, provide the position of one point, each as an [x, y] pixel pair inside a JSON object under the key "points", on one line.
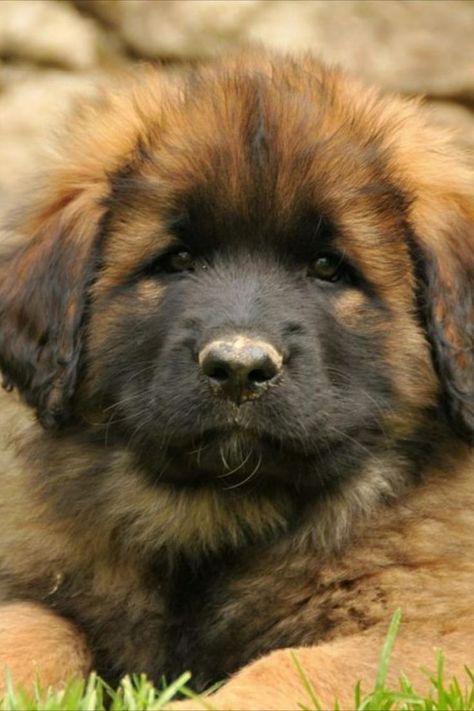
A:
{"points": [[128, 515]]}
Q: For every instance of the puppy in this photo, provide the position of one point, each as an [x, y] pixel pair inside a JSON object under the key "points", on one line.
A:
{"points": [[240, 303]]}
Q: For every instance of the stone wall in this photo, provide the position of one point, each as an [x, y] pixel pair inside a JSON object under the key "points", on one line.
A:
{"points": [[54, 50]]}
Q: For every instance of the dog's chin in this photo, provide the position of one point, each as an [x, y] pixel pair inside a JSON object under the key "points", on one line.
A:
{"points": [[238, 460]]}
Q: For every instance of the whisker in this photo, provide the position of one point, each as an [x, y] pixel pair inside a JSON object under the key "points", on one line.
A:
{"points": [[236, 469], [122, 401], [250, 476]]}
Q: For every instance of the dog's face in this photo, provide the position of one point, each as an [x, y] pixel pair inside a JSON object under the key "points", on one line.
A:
{"points": [[235, 328], [248, 278]]}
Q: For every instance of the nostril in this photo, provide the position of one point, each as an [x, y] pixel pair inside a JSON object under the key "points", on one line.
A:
{"points": [[218, 373], [215, 368], [261, 376]]}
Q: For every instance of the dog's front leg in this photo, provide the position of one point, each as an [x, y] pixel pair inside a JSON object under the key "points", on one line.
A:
{"points": [[38, 645], [273, 682]]}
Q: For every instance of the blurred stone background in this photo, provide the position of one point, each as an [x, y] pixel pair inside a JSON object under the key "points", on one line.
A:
{"points": [[54, 50]]}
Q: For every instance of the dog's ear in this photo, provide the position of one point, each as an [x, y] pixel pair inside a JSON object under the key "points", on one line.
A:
{"points": [[43, 295], [44, 281], [444, 258]]}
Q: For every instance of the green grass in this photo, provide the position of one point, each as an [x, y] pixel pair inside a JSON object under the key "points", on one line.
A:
{"points": [[136, 693]]}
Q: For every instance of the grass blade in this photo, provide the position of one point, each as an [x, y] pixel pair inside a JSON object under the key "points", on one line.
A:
{"points": [[387, 650]]}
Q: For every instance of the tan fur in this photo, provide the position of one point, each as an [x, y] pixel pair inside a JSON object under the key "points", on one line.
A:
{"points": [[274, 684], [37, 646]]}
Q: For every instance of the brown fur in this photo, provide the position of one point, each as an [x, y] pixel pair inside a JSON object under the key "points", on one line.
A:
{"points": [[83, 533]]}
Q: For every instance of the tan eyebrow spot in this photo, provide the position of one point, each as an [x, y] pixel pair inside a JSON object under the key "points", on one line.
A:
{"points": [[149, 290], [350, 306]]}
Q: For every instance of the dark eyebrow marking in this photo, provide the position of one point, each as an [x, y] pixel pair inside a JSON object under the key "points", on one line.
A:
{"points": [[179, 223], [311, 231], [258, 140], [147, 266]]}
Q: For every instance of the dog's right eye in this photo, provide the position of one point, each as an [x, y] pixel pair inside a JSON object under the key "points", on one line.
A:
{"points": [[179, 262], [171, 263]]}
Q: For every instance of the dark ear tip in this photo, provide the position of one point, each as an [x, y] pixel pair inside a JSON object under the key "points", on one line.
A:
{"points": [[7, 384], [53, 410], [459, 414], [48, 420], [54, 420], [464, 431]]}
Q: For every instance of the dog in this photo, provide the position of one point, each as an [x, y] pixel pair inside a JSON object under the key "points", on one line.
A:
{"points": [[236, 313]]}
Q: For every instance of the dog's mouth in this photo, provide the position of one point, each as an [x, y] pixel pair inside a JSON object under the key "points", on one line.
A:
{"points": [[234, 459]]}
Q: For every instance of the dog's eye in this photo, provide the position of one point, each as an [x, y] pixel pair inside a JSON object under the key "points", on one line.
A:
{"points": [[169, 263], [328, 267], [179, 262]]}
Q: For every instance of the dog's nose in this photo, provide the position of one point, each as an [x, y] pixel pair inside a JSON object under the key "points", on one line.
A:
{"points": [[241, 368]]}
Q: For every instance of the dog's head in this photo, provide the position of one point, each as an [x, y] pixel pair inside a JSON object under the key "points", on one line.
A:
{"points": [[261, 267]]}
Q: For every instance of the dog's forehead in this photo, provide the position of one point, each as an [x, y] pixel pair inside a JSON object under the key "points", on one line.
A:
{"points": [[265, 147], [251, 157]]}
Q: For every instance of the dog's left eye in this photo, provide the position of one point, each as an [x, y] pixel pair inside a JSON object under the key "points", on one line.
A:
{"points": [[178, 262], [327, 267]]}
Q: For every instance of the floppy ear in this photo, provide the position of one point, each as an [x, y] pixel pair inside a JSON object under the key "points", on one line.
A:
{"points": [[44, 281], [444, 256], [43, 296]]}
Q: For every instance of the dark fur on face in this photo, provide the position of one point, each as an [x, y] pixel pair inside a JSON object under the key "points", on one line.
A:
{"points": [[261, 199], [300, 431]]}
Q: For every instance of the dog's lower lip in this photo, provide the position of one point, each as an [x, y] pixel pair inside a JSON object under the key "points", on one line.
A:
{"points": [[226, 432]]}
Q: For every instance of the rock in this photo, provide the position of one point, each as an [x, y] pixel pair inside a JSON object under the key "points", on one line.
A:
{"points": [[48, 32], [413, 46], [178, 29], [32, 105]]}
